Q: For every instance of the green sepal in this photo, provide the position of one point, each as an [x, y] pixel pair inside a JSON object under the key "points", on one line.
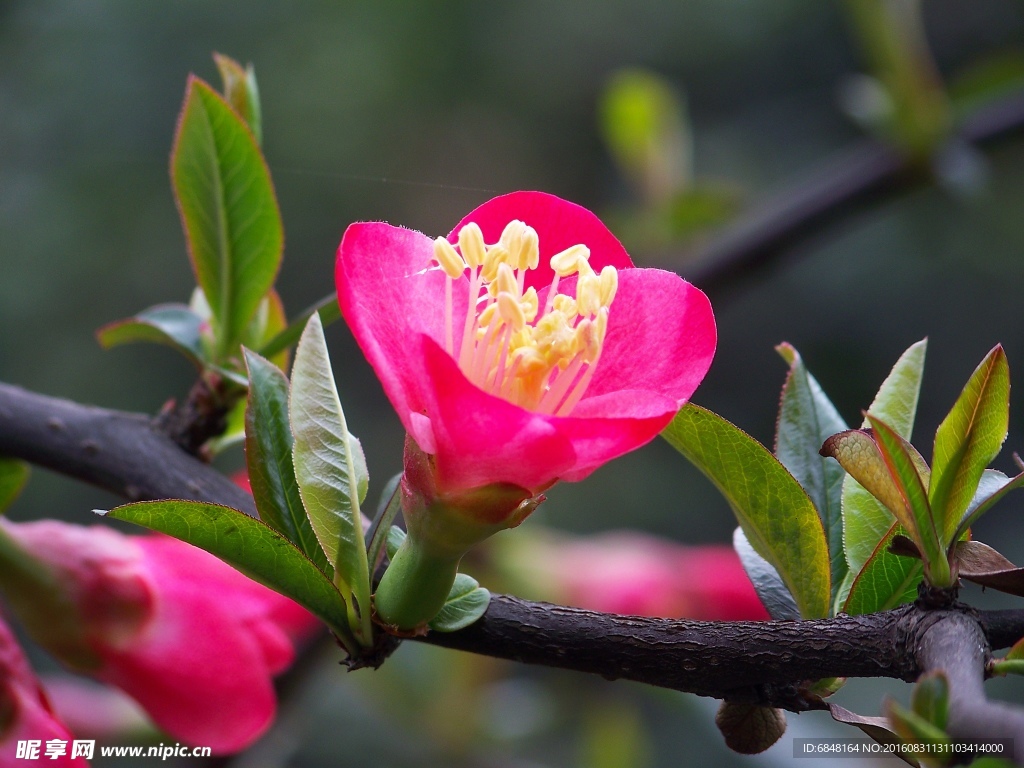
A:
{"points": [[467, 601]]}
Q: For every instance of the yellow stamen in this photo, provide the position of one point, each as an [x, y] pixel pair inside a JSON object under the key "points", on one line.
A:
{"points": [[542, 360], [448, 259], [471, 243], [567, 262]]}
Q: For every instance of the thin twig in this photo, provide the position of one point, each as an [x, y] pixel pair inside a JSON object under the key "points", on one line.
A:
{"points": [[861, 176]]}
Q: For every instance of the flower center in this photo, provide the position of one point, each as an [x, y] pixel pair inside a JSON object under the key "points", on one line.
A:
{"points": [[540, 359]]}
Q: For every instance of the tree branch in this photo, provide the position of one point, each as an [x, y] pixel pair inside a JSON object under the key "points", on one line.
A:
{"points": [[762, 662], [120, 452], [851, 181], [957, 647]]}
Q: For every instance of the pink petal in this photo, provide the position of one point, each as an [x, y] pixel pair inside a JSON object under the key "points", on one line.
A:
{"points": [[661, 337], [274, 620], [31, 715], [197, 671], [386, 298], [92, 710], [559, 224], [597, 439], [482, 439], [32, 720]]}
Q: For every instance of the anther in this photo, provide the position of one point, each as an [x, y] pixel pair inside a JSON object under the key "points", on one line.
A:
{"points": [[450, 261], [496, 254], [511, 311], [567, 262], [471, 243], [609, 285]]}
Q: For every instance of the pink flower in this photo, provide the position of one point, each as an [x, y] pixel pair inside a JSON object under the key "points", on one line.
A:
{"points": [[188, 637], [638, 575], [92, 710], [560, 365], [25, 712]]}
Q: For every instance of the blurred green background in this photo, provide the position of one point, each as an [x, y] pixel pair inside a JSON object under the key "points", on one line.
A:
{"points": [[414, 113]]}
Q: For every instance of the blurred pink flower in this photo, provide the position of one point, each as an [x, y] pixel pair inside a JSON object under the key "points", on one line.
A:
{"points": [[552, 371], [188, 637], [639, 575], [241, 479], [92, 710], [25, 712]]}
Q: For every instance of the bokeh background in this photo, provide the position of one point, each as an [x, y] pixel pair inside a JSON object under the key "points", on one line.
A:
{"points": [[414, 113]]}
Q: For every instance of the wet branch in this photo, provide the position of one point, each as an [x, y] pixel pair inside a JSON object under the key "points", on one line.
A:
{"points": [[763, 662]]}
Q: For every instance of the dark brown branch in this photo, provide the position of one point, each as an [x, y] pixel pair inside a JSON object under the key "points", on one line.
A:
{"points": [[1002, 628], [764, 662], [120, 452], [759, 662], [856, 178], [957, 646]]}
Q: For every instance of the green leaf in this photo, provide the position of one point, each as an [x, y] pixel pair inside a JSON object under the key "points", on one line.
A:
{"points": [[858, 451], [395, 538], [265, 325], [897, 398], [865, 519], [328, 310], [807, 419], [13, 476], [329, 467], [467, 601], [924, 532], [252, 547], [912, 727], [1017, 651], [992, 487], [774, 511], [892, 37], [885, 581], [174, 325], [968, 439], [930, 698], [388, 508], [644, 123], [241, 92], [992, 77], [766, 580], [228, 210], [268, 455]]}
